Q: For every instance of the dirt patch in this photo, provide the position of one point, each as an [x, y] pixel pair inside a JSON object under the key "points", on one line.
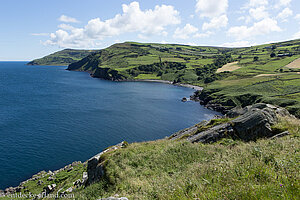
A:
{"points": [[229, 67], [260, 75], [295, 64]]}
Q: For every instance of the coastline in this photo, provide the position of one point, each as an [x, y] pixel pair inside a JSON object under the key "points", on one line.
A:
{"points": [[169, 82]]}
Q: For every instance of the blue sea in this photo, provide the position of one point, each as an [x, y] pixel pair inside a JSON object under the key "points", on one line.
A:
{"points": [[50, 117]]}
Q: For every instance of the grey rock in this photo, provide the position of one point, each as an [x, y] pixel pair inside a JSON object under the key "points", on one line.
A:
{"points": [[69, 169], [254, 124], [188, 131], [213, 134], [69, 190], [184, 99], [84, 177], [77, 183], [280, 135], [50, 188]]}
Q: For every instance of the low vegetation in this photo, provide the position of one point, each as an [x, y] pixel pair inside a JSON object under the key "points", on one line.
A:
{"points": [[164, 169], [62, 58]]}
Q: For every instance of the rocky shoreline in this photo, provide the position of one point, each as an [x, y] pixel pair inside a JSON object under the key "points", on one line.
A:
{"points": [[247, 124]]}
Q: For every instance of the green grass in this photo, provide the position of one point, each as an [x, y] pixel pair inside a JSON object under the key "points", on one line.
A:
{"points": [[147, 76], [164, 169]]}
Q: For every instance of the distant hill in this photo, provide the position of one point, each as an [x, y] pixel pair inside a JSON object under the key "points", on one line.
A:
{"points": [[268, 73], [172, 62], [62, 58]]}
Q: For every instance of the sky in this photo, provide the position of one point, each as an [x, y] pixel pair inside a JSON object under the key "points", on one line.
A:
{"points": [[34, 28]]}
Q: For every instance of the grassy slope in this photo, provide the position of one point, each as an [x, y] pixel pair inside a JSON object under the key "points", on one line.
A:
{"points": [[62, 58], [128, 58], [196, 65], [165, 169]]}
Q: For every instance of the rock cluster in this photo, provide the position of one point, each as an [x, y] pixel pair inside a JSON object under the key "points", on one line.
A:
{"points": [[249, 124], [38, 176]]}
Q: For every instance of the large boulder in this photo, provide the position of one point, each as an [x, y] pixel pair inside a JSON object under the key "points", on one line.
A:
{"points": [[250, 123], [255, 123], [213, 134]]}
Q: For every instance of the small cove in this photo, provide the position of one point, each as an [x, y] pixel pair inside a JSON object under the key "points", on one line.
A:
{"points": [[51, 117]]}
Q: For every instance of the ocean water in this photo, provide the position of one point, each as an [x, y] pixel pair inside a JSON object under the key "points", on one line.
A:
{"points": [[50, 117]]}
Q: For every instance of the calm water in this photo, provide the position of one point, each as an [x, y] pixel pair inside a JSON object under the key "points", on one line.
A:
{"points": [[50, 117]]}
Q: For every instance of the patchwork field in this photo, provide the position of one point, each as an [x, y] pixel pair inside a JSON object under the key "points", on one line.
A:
{"points": [[295, 64], [229, 67]]}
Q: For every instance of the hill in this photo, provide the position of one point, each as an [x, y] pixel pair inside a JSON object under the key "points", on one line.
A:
{"points": [[62, 58], [255, 74]]}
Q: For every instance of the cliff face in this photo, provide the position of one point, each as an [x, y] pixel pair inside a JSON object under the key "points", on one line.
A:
{"points": [[92, 64]]}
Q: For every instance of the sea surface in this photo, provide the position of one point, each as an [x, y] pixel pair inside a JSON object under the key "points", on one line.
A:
{"points": [[50, 117]]}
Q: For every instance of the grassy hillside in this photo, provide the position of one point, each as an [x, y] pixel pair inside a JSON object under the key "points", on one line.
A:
{"points": [[179, 63], [263, 79], [62, 58], [257, 74], [167, 169]]}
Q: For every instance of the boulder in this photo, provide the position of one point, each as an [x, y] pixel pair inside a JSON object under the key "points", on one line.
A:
{"points": [[255, 123], [251, 122], [280, 135], [184, 99], [213, 134], [50, 188]]}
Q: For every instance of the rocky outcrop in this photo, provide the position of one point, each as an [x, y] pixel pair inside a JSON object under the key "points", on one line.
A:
{"points": [[108, 74], [248, 124], [95, 169]]}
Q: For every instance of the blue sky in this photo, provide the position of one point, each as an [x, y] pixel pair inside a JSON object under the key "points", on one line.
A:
{"points": [[34, 28]]}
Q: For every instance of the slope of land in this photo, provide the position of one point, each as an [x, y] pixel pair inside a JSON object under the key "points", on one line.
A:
{"points": [[178, 169], [62, 58], [245, 85], [176, 63]]}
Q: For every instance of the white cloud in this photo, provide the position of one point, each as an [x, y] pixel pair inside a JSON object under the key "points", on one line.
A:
{"points": [[211, 8], [297, 17], [284, 2], [203, 35], [238, 44], [40, 34], [185, 32], [262, 27], [216, 23], [66, 27], [191, 44], [67, 19], [133, 19], [296, 35], [285, 14], [257, 3], [258, 13]]}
